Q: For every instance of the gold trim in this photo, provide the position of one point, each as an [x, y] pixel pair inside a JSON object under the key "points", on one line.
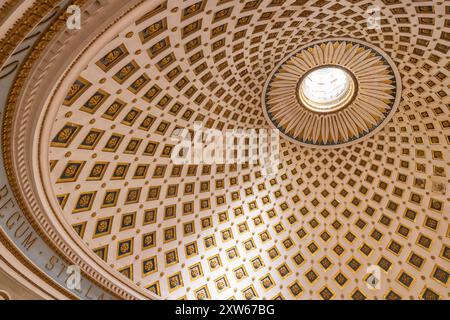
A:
{"points": [[9, 43], [23, 26]]}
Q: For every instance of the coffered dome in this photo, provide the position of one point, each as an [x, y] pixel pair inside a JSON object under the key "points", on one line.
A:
{"points": [[362, 182]]}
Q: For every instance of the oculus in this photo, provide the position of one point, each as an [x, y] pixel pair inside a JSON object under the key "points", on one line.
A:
{"points": [[332, 93]]}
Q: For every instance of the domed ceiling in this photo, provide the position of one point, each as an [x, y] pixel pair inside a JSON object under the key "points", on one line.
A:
{"points": [[378, 197]]}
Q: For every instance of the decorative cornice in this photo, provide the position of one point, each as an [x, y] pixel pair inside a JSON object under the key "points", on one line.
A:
{"points": [[23, 26], [38, 220]]}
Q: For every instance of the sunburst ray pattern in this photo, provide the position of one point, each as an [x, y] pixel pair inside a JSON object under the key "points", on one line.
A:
{"points": [[373, 101]]}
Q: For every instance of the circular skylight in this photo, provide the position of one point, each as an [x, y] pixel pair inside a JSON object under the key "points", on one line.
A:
{"points": [[326, 89], [331, 93]]}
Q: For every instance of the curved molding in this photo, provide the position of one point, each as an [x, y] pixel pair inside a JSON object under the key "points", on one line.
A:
{"points": [[399, 173], [4, 295], [25, 101], [31, 13]]}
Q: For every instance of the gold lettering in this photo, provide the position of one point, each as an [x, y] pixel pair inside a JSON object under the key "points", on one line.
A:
{"points": [[51, 263], [29, 241], [87, 292], [6, 203], [17, 234], [2, 215], [10, 223], [63, 270], [4, 206]]}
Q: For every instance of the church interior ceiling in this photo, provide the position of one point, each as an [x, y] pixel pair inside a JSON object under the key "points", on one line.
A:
{"points": [[360, 187]]}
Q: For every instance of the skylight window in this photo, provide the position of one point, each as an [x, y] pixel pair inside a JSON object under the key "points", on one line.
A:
{"points": [[326, 89]]}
